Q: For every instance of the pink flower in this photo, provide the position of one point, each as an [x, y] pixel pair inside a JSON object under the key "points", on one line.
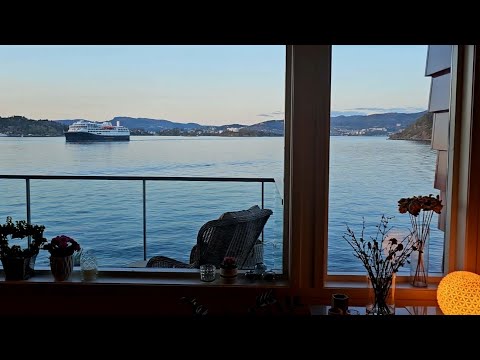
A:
{"points": [[62, 245], [229, 262]]}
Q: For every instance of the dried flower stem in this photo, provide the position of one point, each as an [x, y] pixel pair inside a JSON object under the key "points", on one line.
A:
{"points": [[426, 205], [421, 232]]}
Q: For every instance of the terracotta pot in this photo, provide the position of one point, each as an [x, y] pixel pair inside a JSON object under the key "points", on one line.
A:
{"points": [[228, 275]]}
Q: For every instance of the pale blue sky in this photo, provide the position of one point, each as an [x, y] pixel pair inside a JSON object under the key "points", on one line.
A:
{"points": [[204, 84], [373, 79]]}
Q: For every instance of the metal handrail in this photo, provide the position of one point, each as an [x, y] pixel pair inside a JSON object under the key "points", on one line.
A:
{"points": [[115, 177], [144, 179]]}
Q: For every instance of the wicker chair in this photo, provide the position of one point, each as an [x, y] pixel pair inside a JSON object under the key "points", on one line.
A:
{"points": [[233, 234]]}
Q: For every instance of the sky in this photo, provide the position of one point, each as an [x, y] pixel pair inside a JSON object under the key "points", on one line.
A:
{"points": [[209, 85]]}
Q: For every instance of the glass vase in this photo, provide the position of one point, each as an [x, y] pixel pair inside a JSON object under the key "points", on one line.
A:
{"points": [[419, 261], [381, 296]]}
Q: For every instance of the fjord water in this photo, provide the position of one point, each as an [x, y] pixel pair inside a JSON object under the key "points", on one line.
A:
{"points": [[368, 176]]}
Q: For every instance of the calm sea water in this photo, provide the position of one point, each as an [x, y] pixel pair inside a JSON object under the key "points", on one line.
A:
{"points": [[368, 176]]}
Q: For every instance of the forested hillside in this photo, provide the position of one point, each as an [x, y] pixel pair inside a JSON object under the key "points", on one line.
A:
{"points": [[21, 126]]}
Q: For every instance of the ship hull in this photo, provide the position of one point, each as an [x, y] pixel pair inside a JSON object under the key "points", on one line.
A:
{"points": [[84, 136]]}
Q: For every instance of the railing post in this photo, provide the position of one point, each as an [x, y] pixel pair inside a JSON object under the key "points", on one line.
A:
{"points": [[144, 221], [263, 200], [263, 194], [29, 212]]}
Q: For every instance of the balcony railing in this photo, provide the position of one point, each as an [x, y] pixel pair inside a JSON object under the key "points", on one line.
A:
{"points": [[143, 180]]}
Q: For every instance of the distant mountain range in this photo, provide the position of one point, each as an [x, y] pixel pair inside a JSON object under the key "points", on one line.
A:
{"points": [[272, 127], [393, 122], [143, 123], [375, 124]]}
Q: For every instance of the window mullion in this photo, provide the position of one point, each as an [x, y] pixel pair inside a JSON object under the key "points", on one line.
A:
{"points": [[309, 161]]}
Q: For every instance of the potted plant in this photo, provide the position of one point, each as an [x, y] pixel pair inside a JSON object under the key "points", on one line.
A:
{"points": [[61, 250], [18, 262], [228, 268]]}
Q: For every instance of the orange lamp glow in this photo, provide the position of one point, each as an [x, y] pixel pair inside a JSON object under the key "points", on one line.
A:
{"points": [[459, 293]]}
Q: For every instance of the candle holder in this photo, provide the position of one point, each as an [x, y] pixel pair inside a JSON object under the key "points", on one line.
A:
{"points": [[88, 265], [207, 272], [340, 301]]}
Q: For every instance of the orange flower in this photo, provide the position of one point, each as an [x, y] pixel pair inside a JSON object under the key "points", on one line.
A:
{"points": [[416, 204]]}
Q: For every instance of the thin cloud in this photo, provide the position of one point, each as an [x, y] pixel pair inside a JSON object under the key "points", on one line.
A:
{"points": [[373, 110], [272, 114], [346, 113], [369, 109]]}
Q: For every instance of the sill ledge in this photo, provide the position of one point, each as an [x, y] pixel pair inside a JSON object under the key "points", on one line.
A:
{"points": [[181, 277]]}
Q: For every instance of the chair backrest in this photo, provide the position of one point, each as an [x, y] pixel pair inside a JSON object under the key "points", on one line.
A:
{"points": [[234, 234]]}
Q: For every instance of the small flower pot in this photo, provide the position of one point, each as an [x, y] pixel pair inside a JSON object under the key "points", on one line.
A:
{"points": [[228, 275], [61, 266]]}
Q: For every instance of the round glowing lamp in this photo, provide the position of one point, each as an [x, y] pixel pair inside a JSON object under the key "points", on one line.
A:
{"points": [[459, 293]]}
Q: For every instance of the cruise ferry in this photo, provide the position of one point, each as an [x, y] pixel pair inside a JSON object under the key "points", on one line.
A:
{"points": [[84, 130]]}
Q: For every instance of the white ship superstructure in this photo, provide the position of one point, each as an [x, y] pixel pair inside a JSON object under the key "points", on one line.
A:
{"points": [[84, 130]]}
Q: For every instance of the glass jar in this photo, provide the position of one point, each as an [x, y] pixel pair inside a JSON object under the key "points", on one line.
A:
{"points": [[207, 272], [88, 265]]}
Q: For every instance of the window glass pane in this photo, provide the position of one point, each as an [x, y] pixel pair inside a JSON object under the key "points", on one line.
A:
{"points": [[378, 91], [192, 111]]}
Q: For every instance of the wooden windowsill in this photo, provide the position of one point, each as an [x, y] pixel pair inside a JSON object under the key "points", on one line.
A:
{"points": [[181, 277], [363, 285]]}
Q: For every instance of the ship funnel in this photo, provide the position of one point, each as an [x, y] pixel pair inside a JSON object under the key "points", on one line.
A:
{"points": [[118, 123]]}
